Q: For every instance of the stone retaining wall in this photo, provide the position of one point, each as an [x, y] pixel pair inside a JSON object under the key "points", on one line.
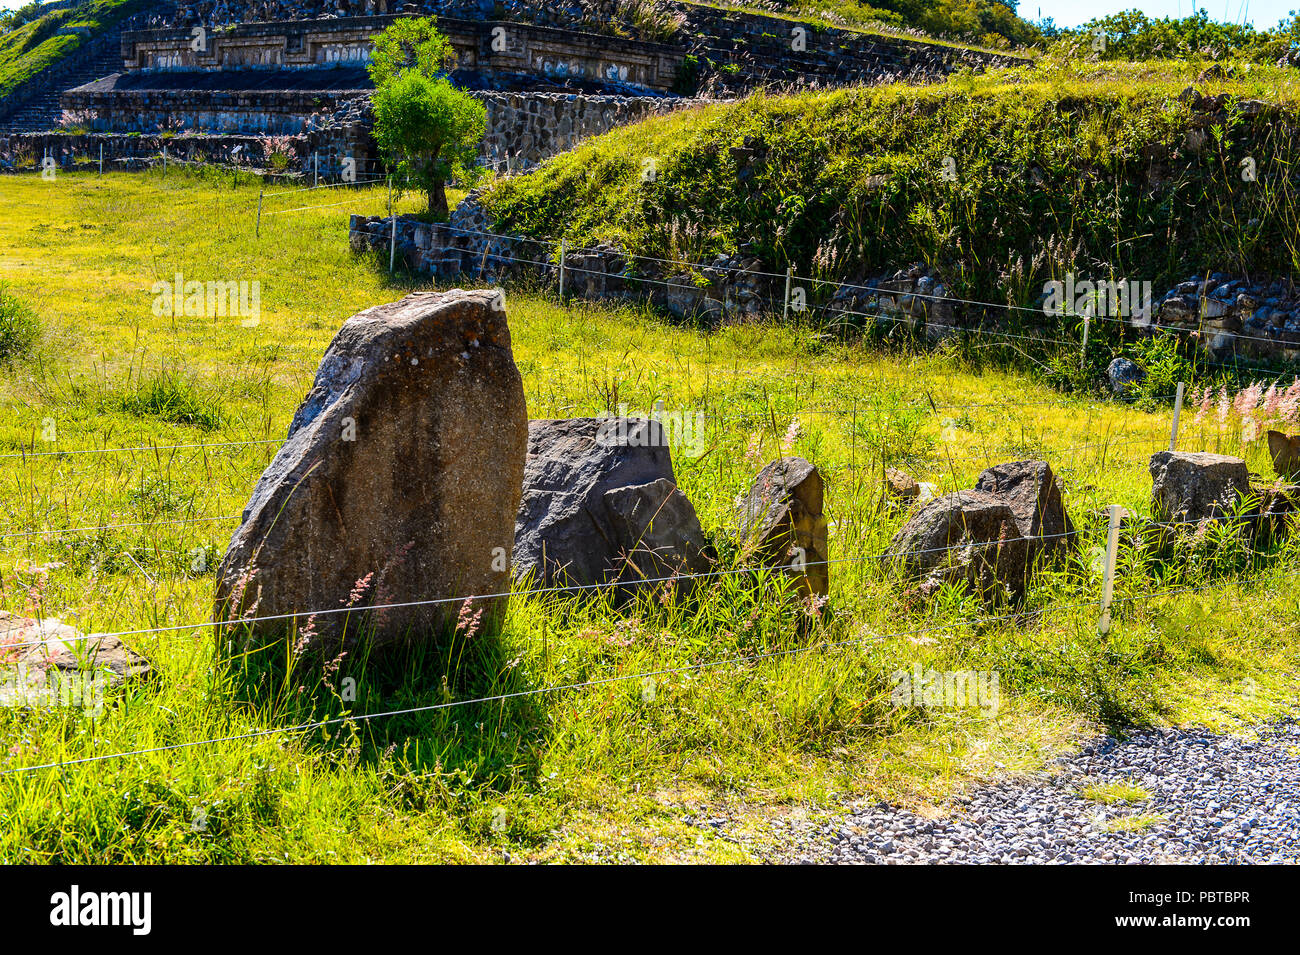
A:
{"points": [[523, 129], [1232, 317], [319, 151]]}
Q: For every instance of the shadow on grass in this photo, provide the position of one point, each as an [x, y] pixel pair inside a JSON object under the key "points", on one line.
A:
{"points": [[450, 703]]}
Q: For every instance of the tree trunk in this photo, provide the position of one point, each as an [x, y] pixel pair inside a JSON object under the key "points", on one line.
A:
{"points": [[438, 199]]}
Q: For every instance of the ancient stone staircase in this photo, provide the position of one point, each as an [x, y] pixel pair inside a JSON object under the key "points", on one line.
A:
{"points": [[102, 56]]}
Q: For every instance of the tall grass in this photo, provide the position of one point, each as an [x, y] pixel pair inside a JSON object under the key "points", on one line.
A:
{"points": [[739, 698], [20, 328]]}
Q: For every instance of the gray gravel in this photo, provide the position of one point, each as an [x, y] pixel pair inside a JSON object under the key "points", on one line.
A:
{"points": [[1213, 799]]}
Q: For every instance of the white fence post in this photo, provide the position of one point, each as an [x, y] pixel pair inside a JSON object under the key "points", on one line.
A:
{"points": [[564, 255], [259, 210], [392, 247], [785, 308], [101, 159], [1083, 349], [1108, 572], [1178, 411]]}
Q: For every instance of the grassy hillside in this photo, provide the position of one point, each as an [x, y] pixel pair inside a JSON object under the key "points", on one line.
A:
{"points": [[1000, 180], [988, 23], [788, 710], [32, 47]]}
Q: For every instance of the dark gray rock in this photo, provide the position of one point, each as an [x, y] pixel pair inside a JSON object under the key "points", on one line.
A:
{"points": [[782, 524], [1032, 492], [970, 536], [1124, 376], [600, 503], [1195, 486], [658, 529], [399, 481]]}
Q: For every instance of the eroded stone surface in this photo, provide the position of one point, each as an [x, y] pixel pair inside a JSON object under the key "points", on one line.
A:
{"points": [[399, 481]]}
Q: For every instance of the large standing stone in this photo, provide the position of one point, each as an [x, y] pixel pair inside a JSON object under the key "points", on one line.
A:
{"points": [[1031, 491], [399, 481], [970, 536], [782, 524], [1195, 485], [600, 503]]}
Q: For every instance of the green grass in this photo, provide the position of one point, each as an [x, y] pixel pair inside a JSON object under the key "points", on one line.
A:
{"points": [[1118, 792], [1059, 167], [605, 772], [20, 328], [1138, 823], [33, 47]]}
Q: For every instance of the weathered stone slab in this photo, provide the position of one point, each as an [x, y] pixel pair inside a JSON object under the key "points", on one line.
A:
{"points": [[782, 524], [1031, 490], [600, 503], [47, 662], [399, 481], [970, 536], [1195, 485]]}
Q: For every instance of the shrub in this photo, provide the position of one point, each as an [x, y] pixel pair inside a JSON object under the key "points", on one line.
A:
{"points": [[20, 328]]}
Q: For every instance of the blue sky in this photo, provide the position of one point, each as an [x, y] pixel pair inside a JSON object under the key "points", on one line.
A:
{"points": [[1068, 13]]}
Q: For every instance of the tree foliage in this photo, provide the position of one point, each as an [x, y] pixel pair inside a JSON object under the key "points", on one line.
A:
{"points": [[411, 43], [428, 129]]}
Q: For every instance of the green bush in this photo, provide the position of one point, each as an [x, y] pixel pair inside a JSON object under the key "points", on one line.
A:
{"points": [[20, 327]]}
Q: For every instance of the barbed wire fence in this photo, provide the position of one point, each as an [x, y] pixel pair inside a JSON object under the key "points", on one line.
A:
{"points": [[1104, 605], [1104, 602]]}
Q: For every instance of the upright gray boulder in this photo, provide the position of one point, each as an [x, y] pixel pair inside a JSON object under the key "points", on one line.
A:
{"points": [[991, 536], [782, 524], [601, 504], [1031, 490], [399, 481], [970, 536], [1195, 486]]}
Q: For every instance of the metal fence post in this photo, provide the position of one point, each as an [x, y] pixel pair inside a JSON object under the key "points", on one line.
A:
{"points": [[785, 307], [1178, 411], [259, 210], [392, 247], [101, 159], [1108, 571]]}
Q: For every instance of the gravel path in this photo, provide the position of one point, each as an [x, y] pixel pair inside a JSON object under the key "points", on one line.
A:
{"points": [[1212, 799]]}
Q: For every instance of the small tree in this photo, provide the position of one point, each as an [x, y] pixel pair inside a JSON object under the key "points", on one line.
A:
{"points": [[430, 129]]}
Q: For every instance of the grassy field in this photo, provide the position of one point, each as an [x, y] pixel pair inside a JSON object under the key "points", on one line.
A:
{"points": [[770, 709]]}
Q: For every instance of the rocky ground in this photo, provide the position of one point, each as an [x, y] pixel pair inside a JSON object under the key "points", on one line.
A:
{"points": [[1208, 799]]}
